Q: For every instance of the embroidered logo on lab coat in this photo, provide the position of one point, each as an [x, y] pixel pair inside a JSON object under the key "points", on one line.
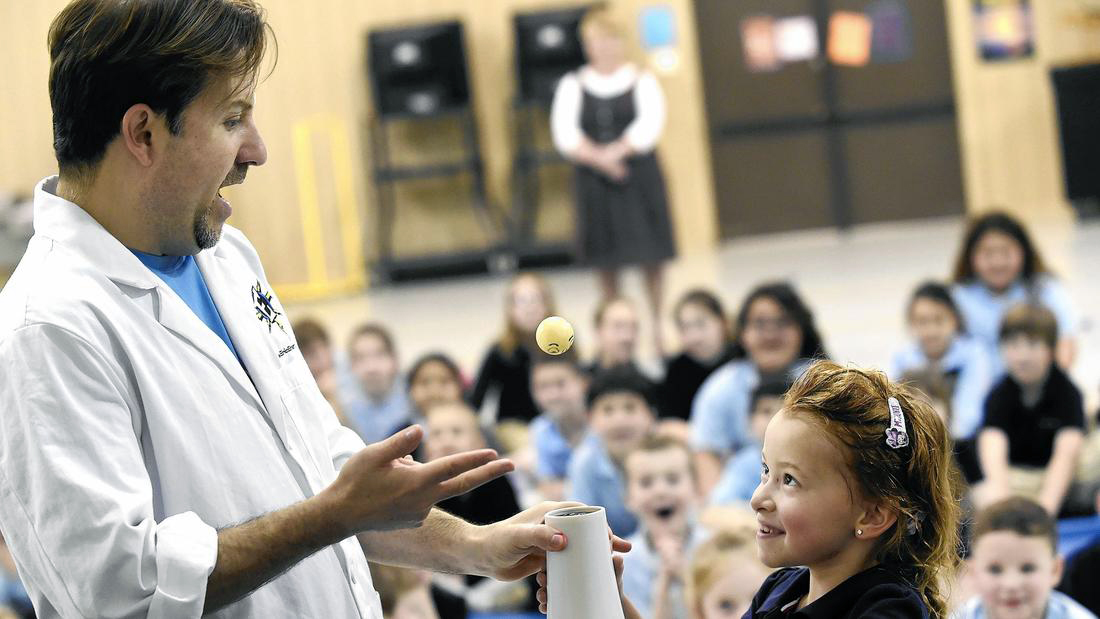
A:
{"points": [[265, 309]]}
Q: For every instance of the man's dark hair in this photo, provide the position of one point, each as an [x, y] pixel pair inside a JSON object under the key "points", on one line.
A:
{"points": [[109, 55]]}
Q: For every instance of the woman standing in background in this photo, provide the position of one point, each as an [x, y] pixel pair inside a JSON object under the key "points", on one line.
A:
{"points": [[607, 118]]}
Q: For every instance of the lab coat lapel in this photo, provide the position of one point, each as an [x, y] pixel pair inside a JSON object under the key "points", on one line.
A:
{"points": [[176, 316], [257, 342]]}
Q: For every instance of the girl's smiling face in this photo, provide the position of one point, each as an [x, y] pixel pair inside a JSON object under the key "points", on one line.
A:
{"points": [[804, 504]]}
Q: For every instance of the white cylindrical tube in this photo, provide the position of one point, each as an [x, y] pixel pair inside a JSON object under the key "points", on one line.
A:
{"points": [[580, 579]]}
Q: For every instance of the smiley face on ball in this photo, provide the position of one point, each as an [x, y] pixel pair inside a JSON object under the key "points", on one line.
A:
{"points": [[554, 335]]}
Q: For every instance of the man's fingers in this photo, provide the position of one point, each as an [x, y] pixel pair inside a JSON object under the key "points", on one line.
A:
{"points": [[472, 479], [530, 564], [536, 514], [448, 467], [400, 444], [541, 536]]}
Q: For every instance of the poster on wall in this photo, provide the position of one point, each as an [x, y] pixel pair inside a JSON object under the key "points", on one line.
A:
{"points": [[1004, 29], [658, 34], [849, 41], [796, 38], [891, 31], [758, 44]]}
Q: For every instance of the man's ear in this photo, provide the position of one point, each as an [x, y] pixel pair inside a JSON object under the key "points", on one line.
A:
{"points": [[139, 133], [875, 520]]}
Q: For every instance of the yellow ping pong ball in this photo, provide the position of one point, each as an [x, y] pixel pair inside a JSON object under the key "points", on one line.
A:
{"points": [[554, 335]]}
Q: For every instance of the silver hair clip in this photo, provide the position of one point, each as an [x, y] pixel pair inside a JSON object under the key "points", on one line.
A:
{"points": [[896, 437], [914, 522]]}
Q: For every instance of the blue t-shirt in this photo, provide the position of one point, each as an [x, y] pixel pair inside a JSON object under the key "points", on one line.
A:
{"points": [[182, 275]]}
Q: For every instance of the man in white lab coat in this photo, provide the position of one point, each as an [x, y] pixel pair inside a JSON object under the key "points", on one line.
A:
{"points": [[164, 450]]}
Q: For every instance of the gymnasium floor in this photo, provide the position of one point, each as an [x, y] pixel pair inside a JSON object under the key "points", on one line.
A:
{"points": [[857, 284]]}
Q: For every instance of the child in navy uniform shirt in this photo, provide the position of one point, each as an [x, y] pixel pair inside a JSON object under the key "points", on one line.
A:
{"points": [[858, 486], [1034, 429], [858, 501]]}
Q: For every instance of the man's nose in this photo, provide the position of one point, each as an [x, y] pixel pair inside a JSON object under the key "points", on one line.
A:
{"points": [[254, 151]]}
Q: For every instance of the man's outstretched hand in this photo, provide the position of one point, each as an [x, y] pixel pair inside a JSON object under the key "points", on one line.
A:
{"points": [[381, 488]]}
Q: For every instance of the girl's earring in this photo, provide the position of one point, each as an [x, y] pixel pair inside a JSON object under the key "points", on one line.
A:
{"points": [[859, 532]]}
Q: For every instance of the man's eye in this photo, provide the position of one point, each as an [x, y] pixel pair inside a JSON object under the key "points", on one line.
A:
{"points": [[232, 123]]}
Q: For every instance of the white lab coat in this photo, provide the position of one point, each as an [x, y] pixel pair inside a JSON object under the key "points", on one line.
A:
{"points": [[129, 432]]}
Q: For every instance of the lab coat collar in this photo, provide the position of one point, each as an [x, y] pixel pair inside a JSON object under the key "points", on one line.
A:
{"points": [[72, 227]]}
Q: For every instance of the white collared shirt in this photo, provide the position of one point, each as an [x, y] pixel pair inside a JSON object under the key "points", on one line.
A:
{"points": [[649, 103], [130, 433]]}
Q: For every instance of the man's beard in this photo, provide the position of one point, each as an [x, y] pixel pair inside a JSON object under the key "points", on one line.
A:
{"points": [[207, 232]]}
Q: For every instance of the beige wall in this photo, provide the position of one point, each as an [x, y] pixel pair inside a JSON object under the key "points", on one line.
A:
{"points": [[1007, 123], [308, 209], [317, 100]]}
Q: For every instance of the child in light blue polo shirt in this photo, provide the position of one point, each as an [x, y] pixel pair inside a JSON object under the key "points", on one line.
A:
{"points": [[943, 357], [775, 337], [662, 493], [558, 387], [621, 415], [999, 267]]}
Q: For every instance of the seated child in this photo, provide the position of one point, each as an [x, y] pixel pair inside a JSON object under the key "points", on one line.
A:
{"points": [[938, 387], [331, 376], [724, 575], [452, 428], [1033, 432], [741, 473], [620, 415], [1015, 565], [942, 350], [558, 385], [379, 404], [661, 492], [433, 379]]}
